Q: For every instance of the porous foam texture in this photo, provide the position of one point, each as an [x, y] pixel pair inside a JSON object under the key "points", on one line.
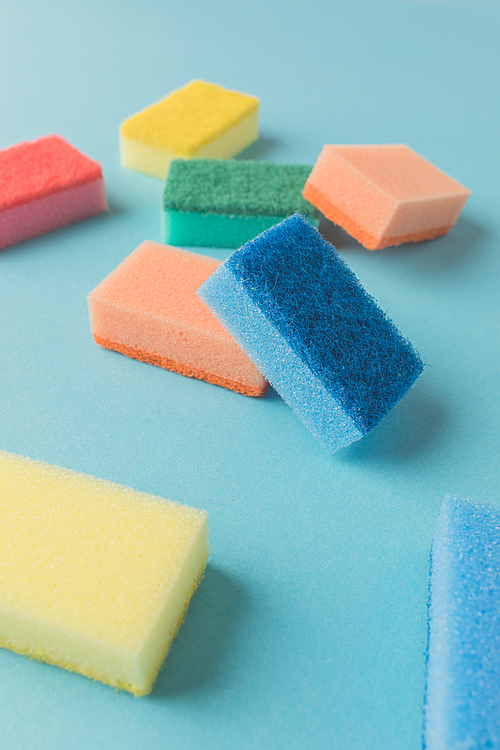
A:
{"points": [[199, 121], [462, 703], [384, 195], [305, 320], [147, 308], [215, 203], [94, 577], [44, 185]]}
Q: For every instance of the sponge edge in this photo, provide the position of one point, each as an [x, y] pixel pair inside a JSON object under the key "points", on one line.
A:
{"points": [[94, 577], [462, 702], [45, 185], [312, 330]]}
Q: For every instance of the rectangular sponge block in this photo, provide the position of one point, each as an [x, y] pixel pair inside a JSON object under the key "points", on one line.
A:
{"points": [[147, 308], [44, 185], [384, 194], [199, 121], [215, 203], [304, 319], [94, 577], [462, 704]]}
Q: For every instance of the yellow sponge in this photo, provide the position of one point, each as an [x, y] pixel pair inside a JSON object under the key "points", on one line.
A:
{"points": [[199, 121], [94, 577]]}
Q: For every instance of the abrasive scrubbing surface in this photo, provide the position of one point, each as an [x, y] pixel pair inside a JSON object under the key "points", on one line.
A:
{"points": [[217, 203], [94, 577], [317, 336], [147, 309], [462, 706]]}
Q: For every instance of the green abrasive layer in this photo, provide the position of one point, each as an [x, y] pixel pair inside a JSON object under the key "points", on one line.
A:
{"points": [[219, 203]]}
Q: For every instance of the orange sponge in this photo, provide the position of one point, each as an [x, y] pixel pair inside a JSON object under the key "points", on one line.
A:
{"points": [[384, 195], [147, 308]]}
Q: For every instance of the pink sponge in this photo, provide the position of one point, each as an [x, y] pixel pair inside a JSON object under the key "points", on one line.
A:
{"points": [[147, 308], [384, 195], [45, 185]]}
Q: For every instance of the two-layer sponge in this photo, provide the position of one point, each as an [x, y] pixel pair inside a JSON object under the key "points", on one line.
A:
{"points": [[384, 195], [216, 203], [199, 121], [147, 308], [462, 704], [94, 577], [304, 319], [44, 185]]}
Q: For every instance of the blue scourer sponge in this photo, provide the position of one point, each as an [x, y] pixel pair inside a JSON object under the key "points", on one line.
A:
{"points": [[462, 708], [304, 319]]}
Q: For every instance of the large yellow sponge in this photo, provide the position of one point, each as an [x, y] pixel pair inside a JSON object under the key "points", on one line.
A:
{"points": [[94, 577], [199, 121]]}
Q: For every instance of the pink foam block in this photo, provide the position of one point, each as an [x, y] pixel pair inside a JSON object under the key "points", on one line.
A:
{"points": [[45, 185], [384, 195], [147, 308]]}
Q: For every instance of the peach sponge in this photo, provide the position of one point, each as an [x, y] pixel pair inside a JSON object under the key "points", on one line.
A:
{"points": [[199, 121], [384, 195], [94, 577], [147, 308], [44, 185]]}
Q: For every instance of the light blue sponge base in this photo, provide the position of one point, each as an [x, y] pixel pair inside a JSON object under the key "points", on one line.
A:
{"points": [[226, 296]]}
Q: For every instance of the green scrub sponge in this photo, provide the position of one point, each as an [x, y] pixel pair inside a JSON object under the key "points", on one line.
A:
{"points": [[217, 203]]}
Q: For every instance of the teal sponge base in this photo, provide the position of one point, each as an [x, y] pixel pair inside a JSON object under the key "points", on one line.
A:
{"points": [[189, 229]]}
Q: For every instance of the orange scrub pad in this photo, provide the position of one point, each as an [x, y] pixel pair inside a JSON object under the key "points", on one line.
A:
{"points": [[147, 308], [44, 185], [384, 195], [199, 121], [94, 577]]}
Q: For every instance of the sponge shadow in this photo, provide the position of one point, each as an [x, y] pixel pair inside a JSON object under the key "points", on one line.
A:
{"points": [[431, 256], [457, 247], [259, 149], [337, 236], [416, 422], [197, 655]]}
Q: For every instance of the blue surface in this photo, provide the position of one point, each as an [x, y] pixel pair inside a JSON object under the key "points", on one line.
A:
{"points": [[463, 682], [310, 627], [302, 289]]}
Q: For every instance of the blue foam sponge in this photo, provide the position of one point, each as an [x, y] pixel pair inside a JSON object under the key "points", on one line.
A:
{"points": [[304, 319], [462, 706]]}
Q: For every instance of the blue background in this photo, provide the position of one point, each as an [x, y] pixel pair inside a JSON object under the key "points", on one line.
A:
{"points": [[309, 630]]}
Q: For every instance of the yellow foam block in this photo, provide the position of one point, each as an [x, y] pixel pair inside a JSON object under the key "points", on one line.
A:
{"points": [[199, 121], [94, 577]]}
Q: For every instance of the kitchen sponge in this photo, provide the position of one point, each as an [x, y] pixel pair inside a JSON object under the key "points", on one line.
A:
{"points": [[462, 706], [94, 577], [147, 308], [304, 319], [384, 195], [215, 203], [199, 121], [44, 185]]}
